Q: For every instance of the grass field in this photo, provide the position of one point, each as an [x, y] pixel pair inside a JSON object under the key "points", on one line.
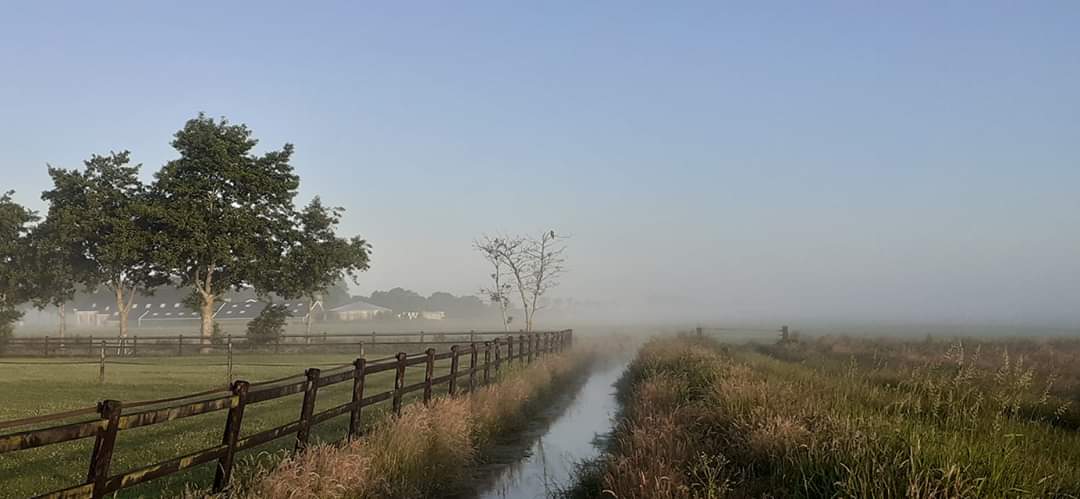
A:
{"points": [[41, 386], [838, 417]]}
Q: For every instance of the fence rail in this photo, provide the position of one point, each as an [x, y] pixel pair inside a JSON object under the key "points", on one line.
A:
{"points": [[113, 416], [179, 345]]}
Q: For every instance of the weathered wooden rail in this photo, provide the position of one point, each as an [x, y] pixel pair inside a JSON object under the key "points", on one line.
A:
{"points": [[180, 344], [112, 417]]}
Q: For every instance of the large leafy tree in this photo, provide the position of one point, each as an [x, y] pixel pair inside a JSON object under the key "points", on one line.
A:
{"points": [[58, 266], [319, 258], [15, 227], [224, 215], [100, 215]]}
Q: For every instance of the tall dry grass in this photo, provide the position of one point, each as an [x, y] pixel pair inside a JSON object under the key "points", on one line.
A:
{"points": [[702, 421], [425, 451]]}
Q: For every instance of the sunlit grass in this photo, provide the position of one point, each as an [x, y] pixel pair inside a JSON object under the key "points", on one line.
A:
{"points": [[426, 451], [792, 421], [35, 387]]}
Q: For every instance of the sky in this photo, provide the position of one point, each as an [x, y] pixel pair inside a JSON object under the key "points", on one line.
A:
{"points": [[714, 161]]}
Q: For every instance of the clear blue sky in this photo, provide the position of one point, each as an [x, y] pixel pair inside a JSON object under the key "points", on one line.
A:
{"points": [[916, 161]]}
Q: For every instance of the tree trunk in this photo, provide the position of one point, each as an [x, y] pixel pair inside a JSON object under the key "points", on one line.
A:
{"points": [[122, 310], [307, 321], [61, 315], [207, 330], [62, 312]]}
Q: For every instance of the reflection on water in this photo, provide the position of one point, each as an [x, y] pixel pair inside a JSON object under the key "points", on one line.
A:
{"points": [[550, 462]]}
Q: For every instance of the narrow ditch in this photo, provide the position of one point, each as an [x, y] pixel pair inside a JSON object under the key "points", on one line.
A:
{"points": [[542, 460]]}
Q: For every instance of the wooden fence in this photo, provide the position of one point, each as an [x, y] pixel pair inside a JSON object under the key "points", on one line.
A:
{"points": [[179, 345], [112, 416]]}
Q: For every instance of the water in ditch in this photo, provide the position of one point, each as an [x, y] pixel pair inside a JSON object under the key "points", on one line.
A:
{"points": [[567, 434]]}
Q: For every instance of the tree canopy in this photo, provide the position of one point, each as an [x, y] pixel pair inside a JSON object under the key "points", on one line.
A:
{"points": [[224, 215], [100, 215], [318, 258], [219, 217], [15, 226]]}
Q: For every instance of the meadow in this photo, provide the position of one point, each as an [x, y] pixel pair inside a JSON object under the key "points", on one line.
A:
{"points": [[845, 417], [42, 386]]}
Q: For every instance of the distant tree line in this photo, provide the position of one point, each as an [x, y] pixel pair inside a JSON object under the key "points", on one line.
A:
{"points": [[218, 217], [456, 307]]}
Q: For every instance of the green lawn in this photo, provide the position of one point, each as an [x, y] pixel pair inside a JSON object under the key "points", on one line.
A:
{"points": [[32, 387]]}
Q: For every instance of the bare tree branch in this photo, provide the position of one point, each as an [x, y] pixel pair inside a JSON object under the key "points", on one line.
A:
{"points": [[532, 264]]}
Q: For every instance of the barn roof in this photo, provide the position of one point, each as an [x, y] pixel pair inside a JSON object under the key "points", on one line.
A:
{"points": [[156, 310], [248, 309], [358, 306]]}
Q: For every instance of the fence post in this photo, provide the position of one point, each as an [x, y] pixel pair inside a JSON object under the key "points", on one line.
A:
{"points": [[421, 337], [399, 382], [310, 392], [357, 397], [532, 346], [429, 372], [277, 344], [472, 367], [135, 346], [46, 346], [487, 362], [784, 334], [510, 348], [324, 337], [498, 355], [101, 371], [228, 353], [180, 346], [90, 346], [472, 336], [453, 369], [361, 348], [232, 434], [103, 447]]}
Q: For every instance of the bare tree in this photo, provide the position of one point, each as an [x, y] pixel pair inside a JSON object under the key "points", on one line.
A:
{"points": [[532, 264], [545, 260], [493, 249]]}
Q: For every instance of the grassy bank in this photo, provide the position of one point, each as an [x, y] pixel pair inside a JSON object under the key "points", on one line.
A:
{"points": [[424, 453], [703, 420]]}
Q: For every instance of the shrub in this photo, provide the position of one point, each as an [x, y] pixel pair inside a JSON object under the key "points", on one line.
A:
{"points": [[7, 326], [268, 326], [217, 335]]}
